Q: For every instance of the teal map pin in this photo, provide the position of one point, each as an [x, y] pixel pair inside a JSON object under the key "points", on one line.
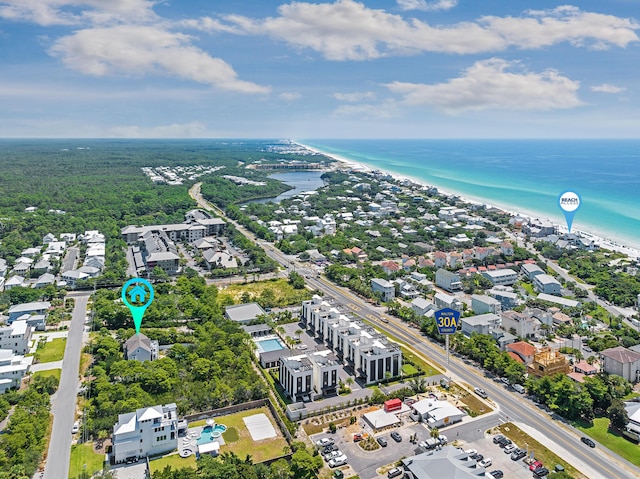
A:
{"points": [[137, 294]]}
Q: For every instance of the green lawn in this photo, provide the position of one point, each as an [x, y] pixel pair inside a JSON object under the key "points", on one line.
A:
{"points": [[174, 460], [409, 369], [612, 440], [51, 351], [244, 445], [50, 372], [547, 457], [82, 454]]}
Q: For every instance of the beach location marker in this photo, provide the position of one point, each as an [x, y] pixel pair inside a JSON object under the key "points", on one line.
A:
{"points": [[137, 294], [569, 202], [447, 321]]}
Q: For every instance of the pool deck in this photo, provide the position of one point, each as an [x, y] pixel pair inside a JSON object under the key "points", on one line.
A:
{"points": [[189, 440]]}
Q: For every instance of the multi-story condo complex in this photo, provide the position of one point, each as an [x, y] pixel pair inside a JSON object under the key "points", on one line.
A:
{"points": [[371, 355], [309, 375]]}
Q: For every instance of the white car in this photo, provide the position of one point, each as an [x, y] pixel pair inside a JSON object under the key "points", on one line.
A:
{"points": [[485, 462], [332, 455], [75, 428], [338, 461], [509, 448], [325, 441]]}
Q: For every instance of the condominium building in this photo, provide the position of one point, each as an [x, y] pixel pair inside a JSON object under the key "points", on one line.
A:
{"points": [[309, 375], [371, 355], [13, 367]]}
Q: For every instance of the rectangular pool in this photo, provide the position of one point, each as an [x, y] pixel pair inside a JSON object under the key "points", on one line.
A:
{"points": [[266, 345]]}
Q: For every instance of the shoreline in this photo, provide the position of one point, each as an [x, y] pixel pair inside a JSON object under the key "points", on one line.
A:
{"points": [[631, 250]]}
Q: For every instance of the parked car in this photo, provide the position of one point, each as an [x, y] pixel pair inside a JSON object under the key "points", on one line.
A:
{"points": [[382, 441], [509, 448], [395, 472], [518, 454], [505, 381], [443, 439], [332, 454], [477, 456], [504, 442], [359, 437], [338, 474], [75, 428], [329, 448], [485, 462], [498, 438], [497, 473], [541, 472], [395, 435], [535, 465], [325, 441], [588, 441], [471, 452], [519, 388], [338, 461]]}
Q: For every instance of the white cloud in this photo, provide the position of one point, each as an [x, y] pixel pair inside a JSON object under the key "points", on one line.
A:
{"points": [[491, 84], [137, 50], [387, 109], [76, 12], [607, 88], [177, 130], [290, 96], [355, 97], [348, 30], [427, 6], [208, 24]]}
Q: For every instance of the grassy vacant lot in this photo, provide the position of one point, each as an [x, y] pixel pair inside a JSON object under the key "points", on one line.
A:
{"points": [[50, 372], [51, 351], [548, 458], [174, 460], [284, 294], [82, 454], [244, 445], [238, 439], [612, 439]]}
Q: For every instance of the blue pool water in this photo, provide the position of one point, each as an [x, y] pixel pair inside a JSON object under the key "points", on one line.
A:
{"points": [[267, 345], [210, 434]]}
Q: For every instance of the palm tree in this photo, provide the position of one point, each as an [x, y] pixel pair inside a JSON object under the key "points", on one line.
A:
{"points": [[298, 333], [350, 381]]}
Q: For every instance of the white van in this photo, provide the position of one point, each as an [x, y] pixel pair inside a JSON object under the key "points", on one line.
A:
{"points": [[519, 388]]}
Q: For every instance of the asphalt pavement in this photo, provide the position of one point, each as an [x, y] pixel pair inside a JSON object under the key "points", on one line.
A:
{"points": [[64, 400]]}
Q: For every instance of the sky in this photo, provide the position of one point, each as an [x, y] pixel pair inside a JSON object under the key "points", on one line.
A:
{"points": [[319, 69]]}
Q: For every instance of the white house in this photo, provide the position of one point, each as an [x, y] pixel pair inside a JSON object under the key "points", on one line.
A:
{"points": [[435, 413], [546, 284], [421, 306], [481, 324], [442, 300], [531, 270], [523, 325], [147, 432], [13, 367], [386, 288], [485, 304], [501, 276], [447, 280], [16, 337]]}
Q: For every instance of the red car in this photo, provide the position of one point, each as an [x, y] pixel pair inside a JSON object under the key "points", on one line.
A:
{"points": [[535, 465]]}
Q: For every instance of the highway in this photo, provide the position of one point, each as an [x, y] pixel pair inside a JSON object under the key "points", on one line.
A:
{"points": [[600, 463]]}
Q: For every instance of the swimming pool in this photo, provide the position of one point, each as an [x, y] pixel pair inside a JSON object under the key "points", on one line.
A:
{"points": [[210, 434], [266, 345]]}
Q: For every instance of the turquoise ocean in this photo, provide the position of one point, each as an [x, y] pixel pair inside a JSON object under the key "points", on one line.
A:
{"points": [[523, 176]]}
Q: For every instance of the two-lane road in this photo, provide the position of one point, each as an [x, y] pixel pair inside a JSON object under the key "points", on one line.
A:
{"points": [[64, 401]]}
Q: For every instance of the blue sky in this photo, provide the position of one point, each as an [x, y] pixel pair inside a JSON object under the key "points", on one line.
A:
{"points": [[319, 69]]}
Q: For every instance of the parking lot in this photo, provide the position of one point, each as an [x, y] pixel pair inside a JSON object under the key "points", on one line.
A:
{"points": [[366, 463]]}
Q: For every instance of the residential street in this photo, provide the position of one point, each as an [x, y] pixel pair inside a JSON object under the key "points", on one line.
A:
{"points": [[64, 401]]}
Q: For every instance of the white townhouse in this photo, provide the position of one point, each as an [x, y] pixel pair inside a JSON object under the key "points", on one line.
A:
{"points": [[148, 432], [13, 367], [480, 324], [448, 281], [485, 304], [310, 375], [370, 353], [16, 337]]}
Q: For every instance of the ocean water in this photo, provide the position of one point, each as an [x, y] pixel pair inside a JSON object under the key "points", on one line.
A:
{"points": [[524, 176]]}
